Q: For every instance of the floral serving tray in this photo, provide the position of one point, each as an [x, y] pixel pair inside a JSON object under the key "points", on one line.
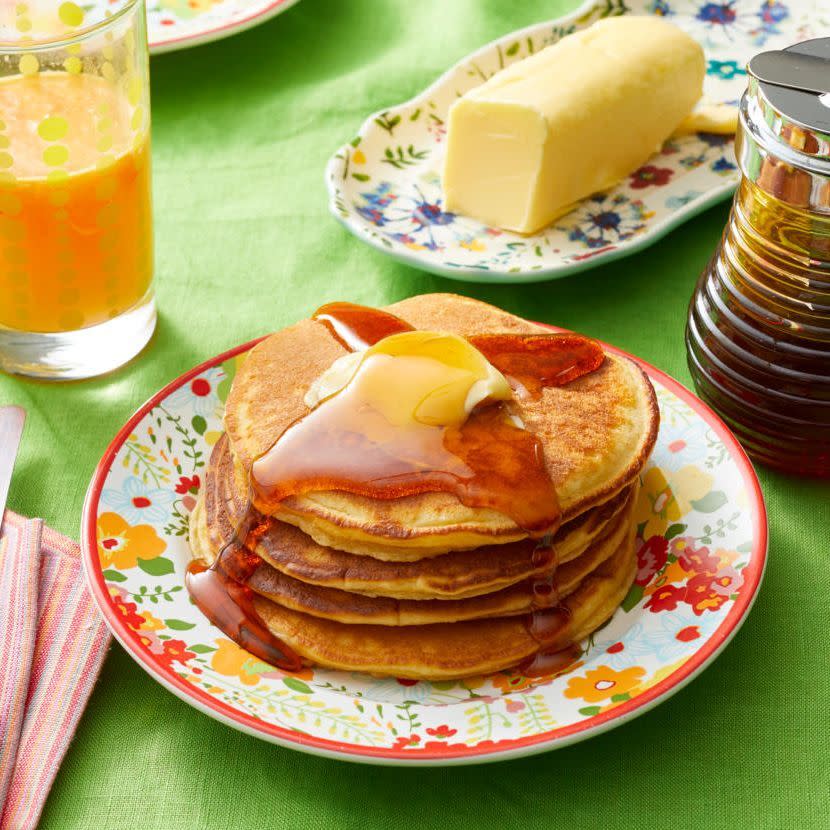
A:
{"points": [[384, 186], [702, 541]]}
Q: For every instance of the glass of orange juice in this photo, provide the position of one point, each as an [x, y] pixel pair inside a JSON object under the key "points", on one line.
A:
{"points": [[76, 243]]}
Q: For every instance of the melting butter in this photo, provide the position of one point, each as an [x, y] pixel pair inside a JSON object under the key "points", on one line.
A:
{"points": [[427, 377]]}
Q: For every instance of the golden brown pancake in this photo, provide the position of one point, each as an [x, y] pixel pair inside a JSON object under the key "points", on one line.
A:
{"points": [[447, 651], [357, 609], [597, 433], [455, 575]]}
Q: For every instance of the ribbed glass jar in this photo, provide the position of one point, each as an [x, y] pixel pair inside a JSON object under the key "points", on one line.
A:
{"points": [[758, 333]]}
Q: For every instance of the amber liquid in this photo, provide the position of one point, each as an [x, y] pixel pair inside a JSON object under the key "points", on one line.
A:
{"points": [[758, 334], [75, 226], [344, 445]]}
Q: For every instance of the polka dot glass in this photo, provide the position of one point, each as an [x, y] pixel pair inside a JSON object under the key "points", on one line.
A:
{"points": [[76, 247]]}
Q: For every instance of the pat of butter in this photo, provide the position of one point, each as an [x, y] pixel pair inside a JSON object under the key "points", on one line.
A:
{"points": [[708, 117], [419, 376], [569, 121]]}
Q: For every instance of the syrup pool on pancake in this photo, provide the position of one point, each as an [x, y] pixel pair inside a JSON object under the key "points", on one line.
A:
{"points": [[408, 412]]}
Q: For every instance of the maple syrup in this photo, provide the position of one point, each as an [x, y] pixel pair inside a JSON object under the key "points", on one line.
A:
{"points": [[222, 594], [758, 334], [363, 442]]}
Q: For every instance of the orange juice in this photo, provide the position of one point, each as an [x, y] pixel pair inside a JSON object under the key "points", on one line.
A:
{"points": [[75, 213]]}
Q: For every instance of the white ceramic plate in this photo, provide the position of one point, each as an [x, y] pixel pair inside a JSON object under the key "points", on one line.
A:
{"points": [[384, 186], [702, 546]]}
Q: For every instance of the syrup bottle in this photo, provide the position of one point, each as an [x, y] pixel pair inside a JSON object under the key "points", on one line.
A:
{"points": [[758, 333]]}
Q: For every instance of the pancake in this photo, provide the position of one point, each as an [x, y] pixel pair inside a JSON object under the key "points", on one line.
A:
{"points": [[455, 575], [597, 433], [449, 651], [357, 609]]}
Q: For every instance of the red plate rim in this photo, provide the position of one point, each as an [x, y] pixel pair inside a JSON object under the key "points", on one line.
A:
{"points": [[447, 754]]}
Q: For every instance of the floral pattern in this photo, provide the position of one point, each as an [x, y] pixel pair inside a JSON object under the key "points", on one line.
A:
{"points": [[172, 24], [384, 186], [696, 556], [120, 545]]}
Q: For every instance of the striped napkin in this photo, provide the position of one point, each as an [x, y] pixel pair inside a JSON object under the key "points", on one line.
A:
{"points": [[52, 645]]}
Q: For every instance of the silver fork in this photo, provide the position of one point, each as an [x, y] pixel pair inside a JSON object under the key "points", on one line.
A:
{"points": [[12, 419]]}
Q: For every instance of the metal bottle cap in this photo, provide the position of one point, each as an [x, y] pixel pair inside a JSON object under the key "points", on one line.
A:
{"points": [[783, 143]]}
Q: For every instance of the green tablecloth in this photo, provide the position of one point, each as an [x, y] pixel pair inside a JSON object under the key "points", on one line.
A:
{"points": [[242, 130]]}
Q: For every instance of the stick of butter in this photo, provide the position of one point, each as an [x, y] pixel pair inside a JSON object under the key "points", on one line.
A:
{"points": [[569, 121]]}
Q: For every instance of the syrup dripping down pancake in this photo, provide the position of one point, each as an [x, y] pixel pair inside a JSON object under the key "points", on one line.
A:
{"points": [[446, 651], [455, 575], [359, 609], [596, 434]]}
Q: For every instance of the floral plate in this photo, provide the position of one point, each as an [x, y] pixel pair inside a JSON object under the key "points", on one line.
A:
{"points": [[384, 186], [177, 24], [702, 540]]}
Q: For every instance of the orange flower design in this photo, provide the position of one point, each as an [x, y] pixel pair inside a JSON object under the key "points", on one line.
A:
{"points": [[232, 661], [603, 683], [121, 545], [150, 623]]}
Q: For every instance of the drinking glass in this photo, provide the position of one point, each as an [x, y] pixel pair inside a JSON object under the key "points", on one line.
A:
{"points": [[76, 244]]}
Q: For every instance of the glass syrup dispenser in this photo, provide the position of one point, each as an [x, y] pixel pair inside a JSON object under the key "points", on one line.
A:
{"points": [[758, 333]]}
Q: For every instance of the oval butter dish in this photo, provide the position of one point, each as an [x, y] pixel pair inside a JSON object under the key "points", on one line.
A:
{"points": [[385, 185]]}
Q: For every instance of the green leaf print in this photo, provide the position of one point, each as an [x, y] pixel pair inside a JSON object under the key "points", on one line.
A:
{"points": [[156, 567], [297, 685], [632, 598], [113, 576], [710, 502], [199, 424], [179, 625]]}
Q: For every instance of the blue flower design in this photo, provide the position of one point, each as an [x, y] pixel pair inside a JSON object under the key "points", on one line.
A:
{"points": [[772, 13], [726, 70], [408, 219], [714, 139], [427, 213], [658, 639], [723, 166], [661, 8], [377, 201], [598, 228], [201, 394], [372, 215], [717, 14], [138, 503]]}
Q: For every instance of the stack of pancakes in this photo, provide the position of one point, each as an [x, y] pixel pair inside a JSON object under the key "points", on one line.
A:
{"points": [[424, 586]]}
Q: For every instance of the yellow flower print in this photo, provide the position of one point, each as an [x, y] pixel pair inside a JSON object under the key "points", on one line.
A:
{"points": [[232, 661], [603, 683], [666, 497], [657, 507], [121, 545], [689, 484], [474, 245], [659, 675], [150, 623], [358, 157], [212, 436]]}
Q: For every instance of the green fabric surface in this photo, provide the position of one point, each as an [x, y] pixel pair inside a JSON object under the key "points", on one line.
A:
{"points": [[241, 131]]}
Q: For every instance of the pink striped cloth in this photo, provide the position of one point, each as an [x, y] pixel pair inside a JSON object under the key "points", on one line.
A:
{"points": [[52, 645]]}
